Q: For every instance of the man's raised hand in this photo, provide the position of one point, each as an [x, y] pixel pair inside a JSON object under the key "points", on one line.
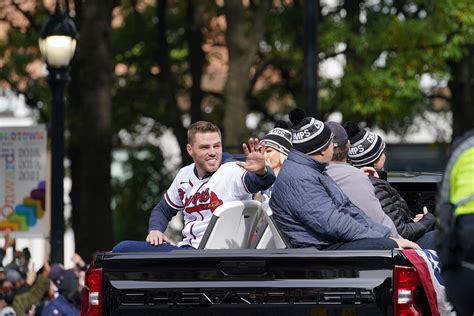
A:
{"points": [[255, 160], [370, 171]]}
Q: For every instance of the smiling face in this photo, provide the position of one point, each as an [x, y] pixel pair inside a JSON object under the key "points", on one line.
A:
{"points": [[206, 151], [272, 158]]}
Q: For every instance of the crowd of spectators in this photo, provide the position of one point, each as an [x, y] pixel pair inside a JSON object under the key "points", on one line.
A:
{"points": [[51, 290]]}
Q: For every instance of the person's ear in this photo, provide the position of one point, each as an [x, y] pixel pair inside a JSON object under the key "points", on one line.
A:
{"points": [[189, 148]]}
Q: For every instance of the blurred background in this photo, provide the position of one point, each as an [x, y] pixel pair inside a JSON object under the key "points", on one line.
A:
{"points": [[144, 70]]}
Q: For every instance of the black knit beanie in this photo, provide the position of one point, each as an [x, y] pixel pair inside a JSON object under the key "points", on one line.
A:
{"points": [[366, 147], [279, 138], [309, 134]]}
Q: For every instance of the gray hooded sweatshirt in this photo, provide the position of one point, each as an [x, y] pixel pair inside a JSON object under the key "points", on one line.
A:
{"points": [[357, 186]]}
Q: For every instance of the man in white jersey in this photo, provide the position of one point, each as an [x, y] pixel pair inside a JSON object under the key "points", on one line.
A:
{"points": [[199, 188]]}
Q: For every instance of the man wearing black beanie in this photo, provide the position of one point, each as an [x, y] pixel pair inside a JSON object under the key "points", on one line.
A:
{"points": [[353, 182], [367, 150], [309, 207]]}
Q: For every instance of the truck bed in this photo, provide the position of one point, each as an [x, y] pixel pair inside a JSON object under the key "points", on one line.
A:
{"points": [[249, 282], [263, 281]]}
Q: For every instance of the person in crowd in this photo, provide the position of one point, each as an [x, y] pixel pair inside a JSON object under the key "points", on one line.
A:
{"points": [[276, 145], [5, 309], [18, 283], [20, 262], [310, 208], [455, 209], [66, 286], [21, 303], [199, 188], [80, 266], [353, 182], [367, 150], [9, 242], [66, 298]]}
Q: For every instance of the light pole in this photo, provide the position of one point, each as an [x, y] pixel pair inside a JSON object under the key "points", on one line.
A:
{"points": [[310, 62], [57, 44]]}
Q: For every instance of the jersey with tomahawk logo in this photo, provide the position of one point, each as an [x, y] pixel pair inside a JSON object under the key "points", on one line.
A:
{"points": [[199, 198]]}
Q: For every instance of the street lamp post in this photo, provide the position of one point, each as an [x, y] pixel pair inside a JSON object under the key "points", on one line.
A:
{"points": [[57, 45], [310, 62]]}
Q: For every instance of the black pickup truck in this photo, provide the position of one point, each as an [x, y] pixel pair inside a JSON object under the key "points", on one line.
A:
{"points": [[263, 281]]}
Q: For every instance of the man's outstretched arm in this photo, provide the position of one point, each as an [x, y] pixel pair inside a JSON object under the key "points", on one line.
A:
{"points": [[256, 183]]}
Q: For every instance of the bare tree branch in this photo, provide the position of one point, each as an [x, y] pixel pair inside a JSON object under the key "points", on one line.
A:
{"points": [[332, 55], [438, 96]]}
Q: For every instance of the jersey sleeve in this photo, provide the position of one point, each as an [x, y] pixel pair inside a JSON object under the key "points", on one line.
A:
{"points": [[232, 177], [173, 196], [245, 182]]}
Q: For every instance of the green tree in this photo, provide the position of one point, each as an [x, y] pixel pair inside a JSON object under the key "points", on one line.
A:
{"points": [[387, 47], [141, 70]]}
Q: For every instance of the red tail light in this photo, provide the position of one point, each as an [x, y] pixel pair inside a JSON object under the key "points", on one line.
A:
{"points": [[406, 280], [92, 299]]}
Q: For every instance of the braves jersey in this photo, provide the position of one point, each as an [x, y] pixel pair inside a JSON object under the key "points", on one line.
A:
{"points": [[199, 198]]}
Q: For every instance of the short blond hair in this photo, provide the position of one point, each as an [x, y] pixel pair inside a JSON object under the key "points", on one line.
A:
{"points": [[202, 127]]}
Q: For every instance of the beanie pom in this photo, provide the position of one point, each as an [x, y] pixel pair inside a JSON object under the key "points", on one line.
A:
{"points": [[352, 129], [297, 115], [282, 124]]}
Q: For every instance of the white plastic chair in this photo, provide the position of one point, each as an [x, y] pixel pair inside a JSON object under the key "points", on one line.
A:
{"points": [[232, 226], [272, 237]]}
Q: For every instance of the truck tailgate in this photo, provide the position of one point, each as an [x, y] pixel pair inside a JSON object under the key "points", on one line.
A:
{"points": [[249, 282]]}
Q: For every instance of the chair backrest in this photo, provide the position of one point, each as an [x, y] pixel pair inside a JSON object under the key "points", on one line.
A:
{"points": [[232, 226], [272, 237]]}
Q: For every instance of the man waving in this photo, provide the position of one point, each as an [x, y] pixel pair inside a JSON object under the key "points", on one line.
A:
{"points": [[199, 188]]}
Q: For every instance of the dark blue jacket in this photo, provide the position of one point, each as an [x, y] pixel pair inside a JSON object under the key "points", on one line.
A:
{"points": [[60, 306], [311, 209]]}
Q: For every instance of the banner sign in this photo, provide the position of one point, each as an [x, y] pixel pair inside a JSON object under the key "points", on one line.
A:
{"points": [[23, 170]]}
